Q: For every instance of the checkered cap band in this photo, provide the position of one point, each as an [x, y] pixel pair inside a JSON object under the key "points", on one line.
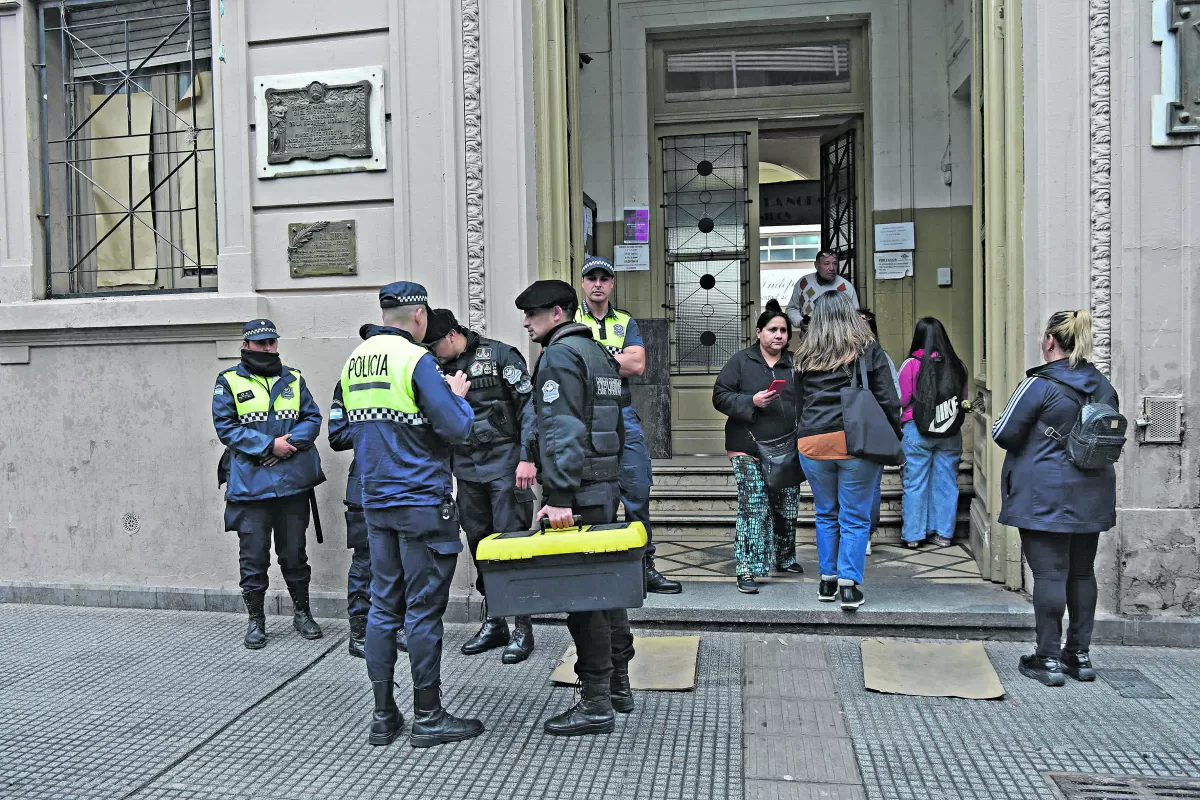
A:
{"points": [[256, 331], [377, 414]]}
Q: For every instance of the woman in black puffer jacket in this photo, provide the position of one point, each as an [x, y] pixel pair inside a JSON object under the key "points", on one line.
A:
{"points": [[1059, 508], [766, 520]]}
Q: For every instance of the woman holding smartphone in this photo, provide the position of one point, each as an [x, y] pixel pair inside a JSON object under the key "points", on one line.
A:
{"points": [[756, 390]]}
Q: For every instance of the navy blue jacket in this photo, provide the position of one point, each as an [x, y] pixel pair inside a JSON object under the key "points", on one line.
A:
{"points": [[1040, 488], [341, 440], [251, 442], [409, 465]]}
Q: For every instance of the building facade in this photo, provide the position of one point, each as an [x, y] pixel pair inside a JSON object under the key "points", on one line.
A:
{"points": [[161, 186]]}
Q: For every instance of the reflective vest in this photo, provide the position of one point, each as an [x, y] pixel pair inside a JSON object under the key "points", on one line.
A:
{"points": [[252, 397], [609, 332], [377, 381]]}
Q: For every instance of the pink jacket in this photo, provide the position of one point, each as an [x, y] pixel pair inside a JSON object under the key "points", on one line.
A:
{"points": [[908, 385]]}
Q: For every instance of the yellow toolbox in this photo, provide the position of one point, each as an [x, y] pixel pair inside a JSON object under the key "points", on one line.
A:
{"points": [[587, 568]]}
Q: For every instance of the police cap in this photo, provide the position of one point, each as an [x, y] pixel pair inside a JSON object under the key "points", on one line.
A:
{"points": [[441, 322], [256, 330], [598, 264], [547, 294], [403, 293]]}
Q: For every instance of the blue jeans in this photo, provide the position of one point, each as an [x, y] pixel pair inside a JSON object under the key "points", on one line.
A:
{"points": [[930, 484], [842, 493], [876, 502]]}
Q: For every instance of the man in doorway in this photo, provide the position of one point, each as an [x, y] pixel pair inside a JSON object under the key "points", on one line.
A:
{"points": [[617, 332], [813, 285]]}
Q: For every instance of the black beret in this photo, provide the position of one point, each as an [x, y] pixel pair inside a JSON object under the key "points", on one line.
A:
{"points": [[547, 294], [441, 322]]}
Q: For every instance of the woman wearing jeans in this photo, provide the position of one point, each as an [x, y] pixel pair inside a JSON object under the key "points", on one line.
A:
{"points": [[934, 377], [766, 520], [1059, 508], [843, 486]]}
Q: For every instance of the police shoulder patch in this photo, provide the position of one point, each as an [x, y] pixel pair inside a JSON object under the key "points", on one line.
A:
{"points": [[335, 412], [219, 391], [525, 386], [287, 393], [550, 391], [242, 397], [512, 375], [619, 329]]}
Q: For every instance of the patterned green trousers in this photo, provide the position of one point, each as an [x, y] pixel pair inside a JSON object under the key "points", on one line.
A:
{"points": [[766, 522]]}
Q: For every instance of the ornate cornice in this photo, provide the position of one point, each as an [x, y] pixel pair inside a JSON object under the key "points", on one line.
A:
{"points": [[1100, 156], [473, 142]]}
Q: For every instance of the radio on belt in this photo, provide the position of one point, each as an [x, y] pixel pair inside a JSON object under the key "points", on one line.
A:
{"points": [[586, 568]]}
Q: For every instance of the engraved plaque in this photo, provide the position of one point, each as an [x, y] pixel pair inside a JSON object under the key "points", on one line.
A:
{"points": [[322, 248], [318, 122]]}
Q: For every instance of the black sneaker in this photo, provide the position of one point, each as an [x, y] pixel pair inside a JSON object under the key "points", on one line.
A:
{"points": [[1043, 670], [827, 590], [852, 597], [1078, 666], [746, 585]]}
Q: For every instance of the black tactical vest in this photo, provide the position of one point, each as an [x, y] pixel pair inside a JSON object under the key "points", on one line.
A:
{"points": [[496, 417], [603, 460]]}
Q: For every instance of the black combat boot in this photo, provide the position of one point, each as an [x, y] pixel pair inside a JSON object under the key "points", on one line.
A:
{"points": [[358, 635], [1047, 671], [592, 714], [492, 634], [302, 619], [1078, 665], [387, 719], [401, 641], [620, 690], [657, 583], [433, 725], [521, 644], [256, 631]]}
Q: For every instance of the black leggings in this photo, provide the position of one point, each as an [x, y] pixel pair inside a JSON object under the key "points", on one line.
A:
{"points": [[1064, 578]]}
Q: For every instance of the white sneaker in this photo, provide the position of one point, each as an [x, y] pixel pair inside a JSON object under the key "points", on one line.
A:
{"points": [[868, 547]]}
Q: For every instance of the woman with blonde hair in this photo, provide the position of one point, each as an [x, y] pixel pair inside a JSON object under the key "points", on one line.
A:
{"points": [[1059, 508], [843, 486]]}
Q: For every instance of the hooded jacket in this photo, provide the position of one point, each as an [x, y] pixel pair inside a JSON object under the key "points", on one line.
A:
{"points": [[1040, 488]]}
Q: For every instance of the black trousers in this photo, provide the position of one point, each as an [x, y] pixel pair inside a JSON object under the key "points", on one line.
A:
{"points": [[286, 520], [494, 507], [1064, 579], [602, 638], [358, 577]]}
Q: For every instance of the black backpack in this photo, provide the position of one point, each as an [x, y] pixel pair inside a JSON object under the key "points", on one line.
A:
{"points": [[1098, 435], [935, 416]]}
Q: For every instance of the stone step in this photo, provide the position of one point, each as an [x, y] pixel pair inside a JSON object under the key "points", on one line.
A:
{"points": [[716, 525]]}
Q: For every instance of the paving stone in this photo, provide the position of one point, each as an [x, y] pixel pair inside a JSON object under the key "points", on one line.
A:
{"points": [[795, 684], [785, 652], [793, 790], [766, 716], [804, 758]]}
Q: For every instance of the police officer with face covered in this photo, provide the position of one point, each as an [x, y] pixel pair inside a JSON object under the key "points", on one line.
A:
{"points": [[404, 417], [577, 394], [268, 422], [358, 577], [494, 468]]}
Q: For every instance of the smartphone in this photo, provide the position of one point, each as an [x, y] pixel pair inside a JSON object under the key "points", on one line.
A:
{"points": [[776, 386]]}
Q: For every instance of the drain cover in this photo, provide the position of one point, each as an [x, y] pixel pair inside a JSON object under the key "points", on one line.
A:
{"points": [[1081, 786], [1133, 684]]}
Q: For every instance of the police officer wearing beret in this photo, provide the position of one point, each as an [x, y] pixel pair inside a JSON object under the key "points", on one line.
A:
{"points": [[617, 331], [494, 467], [268, 422], [577, 395], [404, 418], [358, 577]]}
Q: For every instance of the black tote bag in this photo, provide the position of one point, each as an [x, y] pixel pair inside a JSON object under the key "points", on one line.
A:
{"points": [[869, 435], [779, 457]]}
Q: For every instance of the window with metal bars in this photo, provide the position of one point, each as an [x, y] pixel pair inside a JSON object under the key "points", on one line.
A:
{"points": [[129, 169]]}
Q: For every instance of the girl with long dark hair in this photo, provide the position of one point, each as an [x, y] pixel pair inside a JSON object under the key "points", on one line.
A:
{"points": [[933, 386], [766, 520]]}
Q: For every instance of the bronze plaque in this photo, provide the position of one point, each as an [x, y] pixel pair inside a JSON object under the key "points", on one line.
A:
{"points": [[322, 248], [319, 122]]}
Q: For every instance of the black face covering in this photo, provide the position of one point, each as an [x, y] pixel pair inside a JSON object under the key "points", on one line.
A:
{"points": [[257, 362]]}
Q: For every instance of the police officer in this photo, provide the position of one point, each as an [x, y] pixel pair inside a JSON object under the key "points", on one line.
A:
{"points": [[494, 467], [618, 332], [577, 394], [358, 577], [404, 418], [268, 422]]}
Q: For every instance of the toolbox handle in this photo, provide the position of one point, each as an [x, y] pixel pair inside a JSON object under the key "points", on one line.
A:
{"points": [[544, 522]]}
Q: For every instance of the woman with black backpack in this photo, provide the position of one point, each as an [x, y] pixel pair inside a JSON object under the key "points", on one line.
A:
{"points": [[1062, 431], [933, 386]]}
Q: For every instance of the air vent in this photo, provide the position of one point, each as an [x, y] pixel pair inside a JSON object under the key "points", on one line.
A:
{"points": [[1162, 419], [1081, 786], [131, 523]]}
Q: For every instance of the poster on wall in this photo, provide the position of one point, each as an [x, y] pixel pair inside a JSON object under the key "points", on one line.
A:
{"points": [[637, 225], [892, 266]]}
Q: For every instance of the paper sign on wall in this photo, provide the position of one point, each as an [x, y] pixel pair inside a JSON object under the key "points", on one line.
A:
{"points": [[895, 236], [631, 257], [890, 266]]}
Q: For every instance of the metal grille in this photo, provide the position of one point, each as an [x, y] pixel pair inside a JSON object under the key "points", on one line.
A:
{"points": [[1163, 420], [839, 199], [129, 169], [1082, 786], [705, 194], [1133, 684]]}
